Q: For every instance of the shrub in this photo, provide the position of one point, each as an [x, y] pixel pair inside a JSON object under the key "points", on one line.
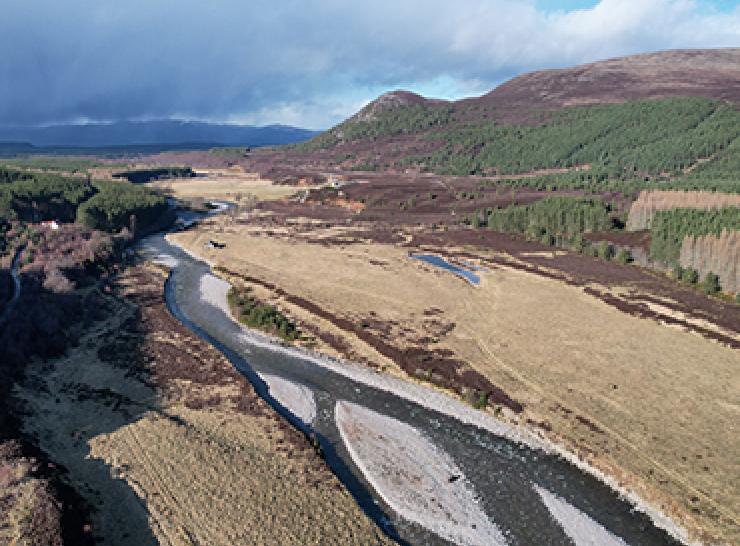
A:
{"points": [[710, 284], [57, 282], [590, 250], [481, 400], [605, 251], [258, 315], [578, 243], [624, 256], [690, 275]]}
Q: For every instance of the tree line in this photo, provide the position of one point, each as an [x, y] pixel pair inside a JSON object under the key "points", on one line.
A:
{"points": [[141, 176], [596, 180], [553, 220], [116, 205], [107, 206]]}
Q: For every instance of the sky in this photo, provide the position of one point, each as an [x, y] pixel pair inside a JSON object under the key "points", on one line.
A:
{"points": [[310, 63]]}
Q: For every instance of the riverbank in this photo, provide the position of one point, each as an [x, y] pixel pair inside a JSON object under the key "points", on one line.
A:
{"points": [[213, 291], [171, 445], [587, 390]]}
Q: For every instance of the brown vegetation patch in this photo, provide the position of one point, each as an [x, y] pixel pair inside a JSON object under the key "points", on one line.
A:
{"points": [[634, 307], [29, 511], [433, 365]]}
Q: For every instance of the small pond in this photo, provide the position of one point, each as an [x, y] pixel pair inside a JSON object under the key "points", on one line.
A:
{"points": [[438, 261]]}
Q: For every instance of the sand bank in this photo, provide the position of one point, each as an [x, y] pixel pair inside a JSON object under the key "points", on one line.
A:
{"points": [[418, 480], [580, 528], [299, 400]]}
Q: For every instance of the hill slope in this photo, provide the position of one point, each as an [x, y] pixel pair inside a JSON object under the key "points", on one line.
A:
{"points": [[647, 114], [708, 73]]}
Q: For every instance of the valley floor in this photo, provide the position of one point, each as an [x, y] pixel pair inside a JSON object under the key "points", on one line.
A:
{"points": [[169, 445], [650, 402]]}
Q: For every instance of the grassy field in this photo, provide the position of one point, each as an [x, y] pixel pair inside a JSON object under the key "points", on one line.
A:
{"points": [[226, 185], [649, 404]]}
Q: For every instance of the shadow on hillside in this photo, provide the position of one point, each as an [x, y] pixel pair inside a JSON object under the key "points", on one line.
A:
{"points": [[54, 405]]}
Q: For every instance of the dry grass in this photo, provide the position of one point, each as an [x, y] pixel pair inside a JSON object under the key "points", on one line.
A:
{"points": [[225, 185], [172, 447], [650, 404], [29, 513]]}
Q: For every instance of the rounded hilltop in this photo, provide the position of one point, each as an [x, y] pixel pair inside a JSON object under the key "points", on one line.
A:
{"points": [[709, 73]]}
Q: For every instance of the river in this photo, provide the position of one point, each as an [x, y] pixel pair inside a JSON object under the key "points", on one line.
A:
{"points": [[533, 497]]}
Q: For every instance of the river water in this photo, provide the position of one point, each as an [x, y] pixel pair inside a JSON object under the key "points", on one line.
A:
{"points": [[508, 477]]}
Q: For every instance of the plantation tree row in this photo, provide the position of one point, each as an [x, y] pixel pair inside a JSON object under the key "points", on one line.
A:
{"points": [[651, 137], [597, 181], [553, 220], [670, 227], [725, 166], [712, 256]]}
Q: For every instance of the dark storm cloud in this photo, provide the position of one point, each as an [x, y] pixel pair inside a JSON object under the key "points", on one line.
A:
{"points": [[303, 62]]}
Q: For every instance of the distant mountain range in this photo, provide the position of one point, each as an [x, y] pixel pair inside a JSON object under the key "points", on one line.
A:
{"points": [[152, 133]]}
